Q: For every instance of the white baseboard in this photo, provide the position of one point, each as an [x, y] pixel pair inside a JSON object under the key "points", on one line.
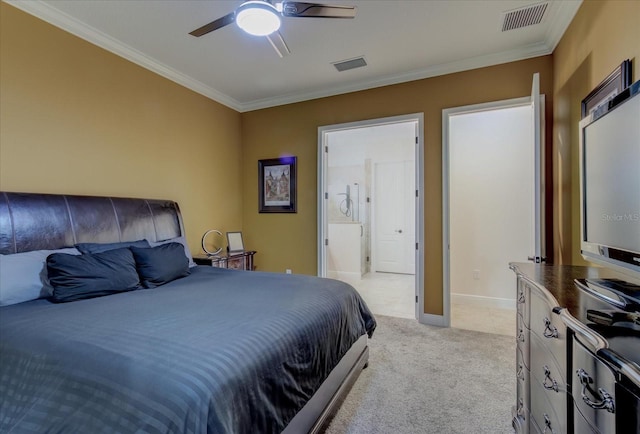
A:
{"points": [[481, 300]]}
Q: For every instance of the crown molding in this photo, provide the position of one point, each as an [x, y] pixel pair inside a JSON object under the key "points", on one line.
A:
{"points": [[565, 13], [534, 50], [567, 10]]}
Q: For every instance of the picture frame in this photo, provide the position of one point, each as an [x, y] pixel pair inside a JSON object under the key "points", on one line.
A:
{"points": [[234, 242], [277, 188], [598, 99]]}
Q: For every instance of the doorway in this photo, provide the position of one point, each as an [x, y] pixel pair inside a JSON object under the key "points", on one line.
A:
{"points": [[369, 217], [491, 203]]}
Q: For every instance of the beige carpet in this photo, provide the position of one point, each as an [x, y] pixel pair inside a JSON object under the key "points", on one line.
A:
{"points": [[424, 379]]}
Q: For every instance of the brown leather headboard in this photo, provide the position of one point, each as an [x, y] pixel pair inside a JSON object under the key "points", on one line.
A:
{"points": [[33, 221]]}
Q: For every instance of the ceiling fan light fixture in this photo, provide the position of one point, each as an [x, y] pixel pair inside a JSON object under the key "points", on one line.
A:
{"points": [[257, 18]]}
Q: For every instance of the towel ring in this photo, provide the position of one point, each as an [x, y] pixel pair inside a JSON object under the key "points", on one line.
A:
{"points": [[204, 247]]}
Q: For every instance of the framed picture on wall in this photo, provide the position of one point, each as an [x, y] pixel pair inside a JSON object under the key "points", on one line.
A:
{"points": [[598, 99], [277, 185]]}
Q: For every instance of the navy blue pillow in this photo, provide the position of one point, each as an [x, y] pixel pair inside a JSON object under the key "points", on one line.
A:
{"points": [[161, 264], [76, 277], [85, 248]]}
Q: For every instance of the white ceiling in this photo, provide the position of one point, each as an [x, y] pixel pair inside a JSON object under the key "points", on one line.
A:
{"points": [[400, 40]]}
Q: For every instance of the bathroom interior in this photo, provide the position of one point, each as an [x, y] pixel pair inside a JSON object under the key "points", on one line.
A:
{"points": [[349, 218], [355, 157]]}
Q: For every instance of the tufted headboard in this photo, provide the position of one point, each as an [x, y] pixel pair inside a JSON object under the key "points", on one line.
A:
{"points": [[33, 221]]}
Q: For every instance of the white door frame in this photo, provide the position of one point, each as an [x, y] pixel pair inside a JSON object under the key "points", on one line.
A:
{"points": [[446, 235], [323, 132]]}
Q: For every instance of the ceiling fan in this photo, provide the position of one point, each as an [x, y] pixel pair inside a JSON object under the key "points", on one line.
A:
{"points": [[262, 18]]}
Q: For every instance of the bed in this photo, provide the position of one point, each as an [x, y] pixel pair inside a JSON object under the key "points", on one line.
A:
{"points": [[212, 351]]}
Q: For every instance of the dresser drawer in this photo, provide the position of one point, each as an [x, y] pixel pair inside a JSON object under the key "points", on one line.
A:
{"points": [[541, 356], [594, 389], [522, 380], [551, 330], [546, 424], [237, 263], [522, 339], [522, 300], [547, 381], [580, 424], [543, 410]]}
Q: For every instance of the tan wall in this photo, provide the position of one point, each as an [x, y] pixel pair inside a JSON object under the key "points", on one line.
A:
{"points": [[289, 240], [77, 119], [600, 37]]}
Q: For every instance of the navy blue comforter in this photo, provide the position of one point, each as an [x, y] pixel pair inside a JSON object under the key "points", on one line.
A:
{"points": [[219, 351]]}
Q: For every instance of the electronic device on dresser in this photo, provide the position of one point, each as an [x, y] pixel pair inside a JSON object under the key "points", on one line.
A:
{"points": [[610, 184], [578, 328], [610, 236]]}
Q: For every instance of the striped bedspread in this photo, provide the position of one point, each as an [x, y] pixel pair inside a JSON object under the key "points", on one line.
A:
{"points": [[219, 351]]}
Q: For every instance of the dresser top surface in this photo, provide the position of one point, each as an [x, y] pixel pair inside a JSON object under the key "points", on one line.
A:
{"points": [[559, 282]]}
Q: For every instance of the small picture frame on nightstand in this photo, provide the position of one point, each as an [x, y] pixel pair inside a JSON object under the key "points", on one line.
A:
{"points": [[234, 242]]}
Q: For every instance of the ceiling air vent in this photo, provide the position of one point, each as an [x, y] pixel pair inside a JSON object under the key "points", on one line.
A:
{"points": [[523, 17], [345, 65]]}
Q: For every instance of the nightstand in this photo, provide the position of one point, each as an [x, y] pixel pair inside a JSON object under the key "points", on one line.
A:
{"points": [[237, 261]]}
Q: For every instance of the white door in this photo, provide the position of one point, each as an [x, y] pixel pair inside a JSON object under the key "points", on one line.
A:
{"points": [[394, 222], [537, 114]]}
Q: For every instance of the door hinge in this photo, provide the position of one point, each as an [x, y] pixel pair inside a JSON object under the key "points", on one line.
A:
{"points": [[416, 140], [416, 246], [326, 149], [368, 199], [326, 241], [367, 259], [417, 193], [416, 298], [326, 195]]}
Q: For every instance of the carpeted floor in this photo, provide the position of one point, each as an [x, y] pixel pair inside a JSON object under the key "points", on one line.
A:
{"points": [[424, 379]]}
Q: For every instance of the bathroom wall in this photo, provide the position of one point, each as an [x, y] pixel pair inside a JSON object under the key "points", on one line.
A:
{"points": [[351, 157], [348, 180], [344, 255], [349, 229]]}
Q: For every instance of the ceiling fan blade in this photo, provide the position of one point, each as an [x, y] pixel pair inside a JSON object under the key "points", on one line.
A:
{"points": [[316, 10], [278, 43], [214, 25]]}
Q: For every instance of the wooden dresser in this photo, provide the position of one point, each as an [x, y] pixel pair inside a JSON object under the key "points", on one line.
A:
{"points": [[237, 261], [571, 376]]}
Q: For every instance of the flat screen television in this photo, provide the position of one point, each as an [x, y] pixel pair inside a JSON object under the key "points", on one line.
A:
{"points": [[610, 185]]}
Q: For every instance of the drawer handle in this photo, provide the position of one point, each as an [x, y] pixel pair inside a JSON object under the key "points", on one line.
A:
{"points": [[547, 424], [520, 372], [520, 411], [606, 400], [550, 331], [549, 383]]}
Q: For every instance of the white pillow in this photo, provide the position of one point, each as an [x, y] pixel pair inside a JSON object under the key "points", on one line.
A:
{"points": [[181, 240], [23, 276]]}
